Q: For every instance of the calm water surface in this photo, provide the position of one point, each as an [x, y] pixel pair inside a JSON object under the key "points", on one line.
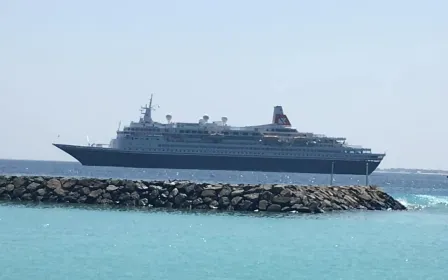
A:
{"points": [[76, 243]]}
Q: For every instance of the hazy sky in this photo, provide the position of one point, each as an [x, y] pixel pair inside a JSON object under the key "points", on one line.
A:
{"points": [[372, 71]]}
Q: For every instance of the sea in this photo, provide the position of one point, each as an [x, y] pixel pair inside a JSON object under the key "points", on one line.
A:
{"points": [[74, 242]]}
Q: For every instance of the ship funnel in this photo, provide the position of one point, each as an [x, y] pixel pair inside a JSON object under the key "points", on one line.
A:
{"points": [[278, 117]]}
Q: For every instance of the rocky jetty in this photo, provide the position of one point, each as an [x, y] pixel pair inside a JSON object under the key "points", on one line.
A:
{"points": [[190, 195]]}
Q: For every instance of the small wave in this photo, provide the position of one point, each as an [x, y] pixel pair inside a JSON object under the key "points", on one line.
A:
{"points": [[423, 201]]}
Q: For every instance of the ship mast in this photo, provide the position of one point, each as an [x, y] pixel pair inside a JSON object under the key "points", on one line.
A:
{"points": [[147, 115]]}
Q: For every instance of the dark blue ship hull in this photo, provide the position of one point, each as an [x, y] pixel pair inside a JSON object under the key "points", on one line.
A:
{"points": [[94, 156]]}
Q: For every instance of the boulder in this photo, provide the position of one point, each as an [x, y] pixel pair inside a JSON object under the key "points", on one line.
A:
{"points": [[209, 193], [111, 188], [263, 205], [274, 208]]}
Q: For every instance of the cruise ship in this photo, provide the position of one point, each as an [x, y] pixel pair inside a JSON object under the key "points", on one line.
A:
{"points": [[216, 145]]}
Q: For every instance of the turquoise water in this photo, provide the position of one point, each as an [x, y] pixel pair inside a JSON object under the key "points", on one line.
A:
{"points": [[75, 243]]}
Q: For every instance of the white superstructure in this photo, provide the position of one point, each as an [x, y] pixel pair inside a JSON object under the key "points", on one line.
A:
{"points": [[217, 138]]}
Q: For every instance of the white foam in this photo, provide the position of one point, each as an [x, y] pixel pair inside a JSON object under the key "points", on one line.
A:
{"points": [[422, 201]]}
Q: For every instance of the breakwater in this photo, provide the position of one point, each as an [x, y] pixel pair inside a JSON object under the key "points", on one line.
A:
{"points": [[191, 195]]}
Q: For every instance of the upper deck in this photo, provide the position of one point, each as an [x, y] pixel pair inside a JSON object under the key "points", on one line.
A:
{"points": [[278, 132]]}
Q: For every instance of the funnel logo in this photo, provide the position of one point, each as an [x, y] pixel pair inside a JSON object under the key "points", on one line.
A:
{"points": [[282, 119]]}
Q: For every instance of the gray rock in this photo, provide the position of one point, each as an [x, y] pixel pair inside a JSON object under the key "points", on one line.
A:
{"points": [[214, 204], [236, 200], [95, 193], [237, 193], [180, 198], [154, 194], [9, 187], [251, 196], [39, 180], [19, 182], [224, 201], [85, 182], [54, 184], [365, 196], [251, 190], [207, 200], [27, 196], [187, 204], [135, 196], [281, 200], [274, 208], [124, 196], [295, 200], [111, 188], [226, 191], [286, 193], [143, 202], [18, 191], [141, 186], [189, 188], [76, 195], [106, 195], [263, 205], [164, 195], [305, 201], [198, 189], [3, 182], [266, 195], [129, 186], [85, 190], [265, 187], [115, 182], [173, 193], [350, 200], [41, 192], [276, 189], [106, 201], [69, 183], [326, 203], [197, 201], [152, 187], [208, 193], [213, 187], [60, 192], [33, 186], [246, 205]]}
